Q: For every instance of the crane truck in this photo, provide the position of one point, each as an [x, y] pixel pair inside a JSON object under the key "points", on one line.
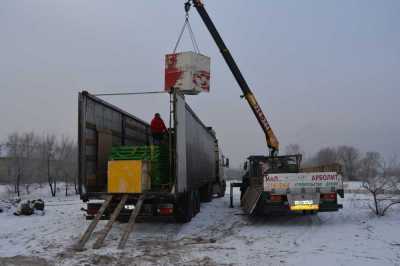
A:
{"points": [[276, 184]]}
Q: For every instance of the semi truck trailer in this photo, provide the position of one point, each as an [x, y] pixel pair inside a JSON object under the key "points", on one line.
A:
{"points": [[194, 171]]}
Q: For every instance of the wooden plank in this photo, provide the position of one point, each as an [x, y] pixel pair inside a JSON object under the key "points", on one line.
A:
{"points": [[131, 223], [85, 237], [107, 228], [250, 199]]}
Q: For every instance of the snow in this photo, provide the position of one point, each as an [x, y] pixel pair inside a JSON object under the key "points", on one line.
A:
{"points": [[354, 187], [218, 235], [40, 234]]}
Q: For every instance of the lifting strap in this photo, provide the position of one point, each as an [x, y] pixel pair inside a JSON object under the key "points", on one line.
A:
{"points": [[186, 24]]}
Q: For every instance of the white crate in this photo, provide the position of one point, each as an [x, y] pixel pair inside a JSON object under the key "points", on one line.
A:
{"points": [[188, 72]]}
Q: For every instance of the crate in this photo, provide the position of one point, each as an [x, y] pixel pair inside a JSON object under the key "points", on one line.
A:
{"points": [[153, 152], [157, 157], [128, 176], [188, 72]]}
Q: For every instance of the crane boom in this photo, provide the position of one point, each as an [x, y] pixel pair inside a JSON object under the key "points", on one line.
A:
{"points": [[272, 141]]}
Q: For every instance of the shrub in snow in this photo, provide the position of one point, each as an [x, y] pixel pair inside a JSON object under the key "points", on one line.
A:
{"points": [[385, 192], [381, 180], [27, 207]]}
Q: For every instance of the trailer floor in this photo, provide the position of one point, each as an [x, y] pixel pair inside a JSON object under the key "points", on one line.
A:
{"points": [[218, 235]]}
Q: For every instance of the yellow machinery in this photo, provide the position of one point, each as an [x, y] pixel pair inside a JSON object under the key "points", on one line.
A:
{"points": [[128, 176], [272, 140]]}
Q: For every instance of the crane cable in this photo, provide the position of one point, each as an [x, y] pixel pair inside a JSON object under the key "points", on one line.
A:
{"points": [[191, 33]]}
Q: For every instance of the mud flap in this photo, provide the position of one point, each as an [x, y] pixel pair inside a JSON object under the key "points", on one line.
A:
{"points": [[250, 200]]}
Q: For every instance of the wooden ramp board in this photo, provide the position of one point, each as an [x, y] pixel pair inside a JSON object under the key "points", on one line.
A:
{"points": [[102, 236], [131, 222], [85, 237], [250, 200]]}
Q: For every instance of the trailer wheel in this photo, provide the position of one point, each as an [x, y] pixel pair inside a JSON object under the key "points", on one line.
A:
{"points": [[183, 211]]}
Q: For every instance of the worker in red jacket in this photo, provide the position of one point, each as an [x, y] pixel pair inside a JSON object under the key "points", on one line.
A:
{"points": [[158, 129]]}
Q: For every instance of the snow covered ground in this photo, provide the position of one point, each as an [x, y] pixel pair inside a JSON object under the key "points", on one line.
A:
{"points": [[218, 235]]}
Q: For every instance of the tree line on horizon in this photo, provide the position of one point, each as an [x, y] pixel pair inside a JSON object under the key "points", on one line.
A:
{"points": [[356, 166], [29, 158]]}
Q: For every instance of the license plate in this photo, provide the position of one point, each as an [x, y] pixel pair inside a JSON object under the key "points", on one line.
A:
{"points": [[303, 202], [304, 207]]}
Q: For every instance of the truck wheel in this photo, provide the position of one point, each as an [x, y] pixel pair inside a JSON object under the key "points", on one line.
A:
{"points": [[183, 211], [222, 188]]}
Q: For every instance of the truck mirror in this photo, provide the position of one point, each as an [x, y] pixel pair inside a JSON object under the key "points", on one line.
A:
{"points": [[227, 162], [245, 166]]}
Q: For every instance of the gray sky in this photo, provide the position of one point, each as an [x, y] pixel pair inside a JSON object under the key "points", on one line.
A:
{"points": [[325, 72]]}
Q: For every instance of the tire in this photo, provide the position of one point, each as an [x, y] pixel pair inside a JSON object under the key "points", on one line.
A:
{"points": [[183, 211]]}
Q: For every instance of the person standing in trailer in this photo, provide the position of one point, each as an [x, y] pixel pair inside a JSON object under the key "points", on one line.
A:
{"points": [[158, 129]]}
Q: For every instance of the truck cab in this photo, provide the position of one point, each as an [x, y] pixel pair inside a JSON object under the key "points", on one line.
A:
{"points": [[275, 164]]}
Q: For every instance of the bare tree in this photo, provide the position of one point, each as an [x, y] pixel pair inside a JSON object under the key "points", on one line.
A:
{"points": [[384, 189], [21, 150], [15, 154], [74, 163], [391, 167], [65, 161], [29, 143], [349, 157], [326, 155], [370, 165], [46, 150], [36, 159], [294, 149]]}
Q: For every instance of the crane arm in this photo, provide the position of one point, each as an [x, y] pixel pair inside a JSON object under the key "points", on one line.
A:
{"points": [[272, 141]]}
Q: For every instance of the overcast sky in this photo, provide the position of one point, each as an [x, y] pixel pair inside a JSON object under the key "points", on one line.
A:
{"points": [[325, 72]]}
